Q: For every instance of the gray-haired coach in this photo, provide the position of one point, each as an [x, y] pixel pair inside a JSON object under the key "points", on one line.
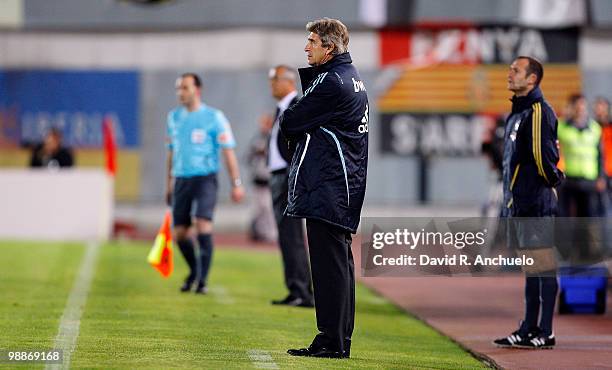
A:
{"points": [[328, 129]]}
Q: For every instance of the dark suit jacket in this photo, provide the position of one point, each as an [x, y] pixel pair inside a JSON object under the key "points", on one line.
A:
{"points": [[281, 141]]}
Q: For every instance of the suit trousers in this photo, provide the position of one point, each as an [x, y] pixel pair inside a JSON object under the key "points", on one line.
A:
{"points": [[333, 277], [291, 241]]}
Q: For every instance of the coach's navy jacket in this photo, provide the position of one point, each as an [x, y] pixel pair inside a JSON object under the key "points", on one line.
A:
{"points": [[530, 158], [329, 125]]}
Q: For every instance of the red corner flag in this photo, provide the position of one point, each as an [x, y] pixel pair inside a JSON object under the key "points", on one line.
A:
{"points": [[110, 146], [160, 255]]}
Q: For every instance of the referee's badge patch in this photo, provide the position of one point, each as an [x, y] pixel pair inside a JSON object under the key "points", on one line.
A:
{"points": [[198, 136], [225, 137]]}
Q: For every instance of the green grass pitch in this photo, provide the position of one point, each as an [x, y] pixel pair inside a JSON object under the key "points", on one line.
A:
{"points": [[135, 319]]}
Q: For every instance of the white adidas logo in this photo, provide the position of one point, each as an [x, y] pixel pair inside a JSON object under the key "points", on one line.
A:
{"points": [[363, 128], [358, 85]]}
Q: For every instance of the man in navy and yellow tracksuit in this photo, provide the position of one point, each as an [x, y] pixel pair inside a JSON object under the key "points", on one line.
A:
{"points": [[530, 176]]}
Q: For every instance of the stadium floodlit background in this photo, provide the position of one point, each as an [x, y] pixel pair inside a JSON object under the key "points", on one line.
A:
{"points": [[435, 72], [432, 68]]}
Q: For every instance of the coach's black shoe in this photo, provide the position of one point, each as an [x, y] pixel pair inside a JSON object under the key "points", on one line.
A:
{"points": [[327, 353], [321, 352], [308, 303], [282, 301], [512, 339], [299, 352], [201, 288], [289, 301], [347, 349], [540, 341]]}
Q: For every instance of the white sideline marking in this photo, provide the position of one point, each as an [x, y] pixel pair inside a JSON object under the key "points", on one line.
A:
{"points": [[71, 318], [221, 295], [262, 359]]}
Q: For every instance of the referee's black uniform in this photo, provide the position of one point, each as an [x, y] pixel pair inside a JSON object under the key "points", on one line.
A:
{"points": [[327, 180]]}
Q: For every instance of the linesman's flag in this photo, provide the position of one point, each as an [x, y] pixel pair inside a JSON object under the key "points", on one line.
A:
{"points": [[110, 146], [160, 255]]}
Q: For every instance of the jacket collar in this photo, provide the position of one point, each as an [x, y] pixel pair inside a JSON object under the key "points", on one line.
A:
{"points": [[308, 74], [520, 103], [335, 61]]}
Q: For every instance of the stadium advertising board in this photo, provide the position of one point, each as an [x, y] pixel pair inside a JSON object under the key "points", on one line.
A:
{"points": [[452, 83], [76, 102]]}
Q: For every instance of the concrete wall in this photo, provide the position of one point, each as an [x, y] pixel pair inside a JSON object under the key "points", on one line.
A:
{"points": [[182, 14], [75, 205]]}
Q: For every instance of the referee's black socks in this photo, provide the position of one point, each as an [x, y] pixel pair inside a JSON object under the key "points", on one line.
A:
{"points": [[206, 249], [186, 247]]}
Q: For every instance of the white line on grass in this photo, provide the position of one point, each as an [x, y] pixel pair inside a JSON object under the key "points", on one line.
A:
{"points": [[262, 359], [221, 295], [71, 319]]}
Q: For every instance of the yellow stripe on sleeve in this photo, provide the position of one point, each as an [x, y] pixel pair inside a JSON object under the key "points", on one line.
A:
{"points": [[534, 135], [536, 131], [516, 171]]}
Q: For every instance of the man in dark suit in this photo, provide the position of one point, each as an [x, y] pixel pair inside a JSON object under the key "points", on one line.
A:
{"points": [[290, 231]]}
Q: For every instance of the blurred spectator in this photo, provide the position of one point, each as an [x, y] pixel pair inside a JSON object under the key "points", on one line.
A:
{"points": [[50, 153], [493, 145], [493, 149], [580, 144], [602, 116], [263, 226]]}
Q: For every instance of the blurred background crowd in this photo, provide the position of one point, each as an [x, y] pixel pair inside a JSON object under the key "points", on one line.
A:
{"points": [[435, 71]]}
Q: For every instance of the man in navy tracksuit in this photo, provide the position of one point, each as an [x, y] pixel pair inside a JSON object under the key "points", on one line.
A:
{"points": [[328, 129], [530, 176]]}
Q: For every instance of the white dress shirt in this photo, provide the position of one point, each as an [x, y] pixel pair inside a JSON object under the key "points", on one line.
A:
{"points": [[276, 161]]}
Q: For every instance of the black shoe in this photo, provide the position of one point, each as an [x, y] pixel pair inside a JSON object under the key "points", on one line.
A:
{"points": [[540, 341], [320, 352], [186, 287], [299, 351], [201, 289], [347, 349], [289, 301], [327, 353], [308, 303], [515, 338]]}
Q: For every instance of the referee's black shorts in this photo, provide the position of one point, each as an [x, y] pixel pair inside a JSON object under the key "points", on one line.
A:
{"points": [[195, 196]]}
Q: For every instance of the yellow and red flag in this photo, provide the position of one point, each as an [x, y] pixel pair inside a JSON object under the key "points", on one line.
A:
{"points": [[160, 255]]}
